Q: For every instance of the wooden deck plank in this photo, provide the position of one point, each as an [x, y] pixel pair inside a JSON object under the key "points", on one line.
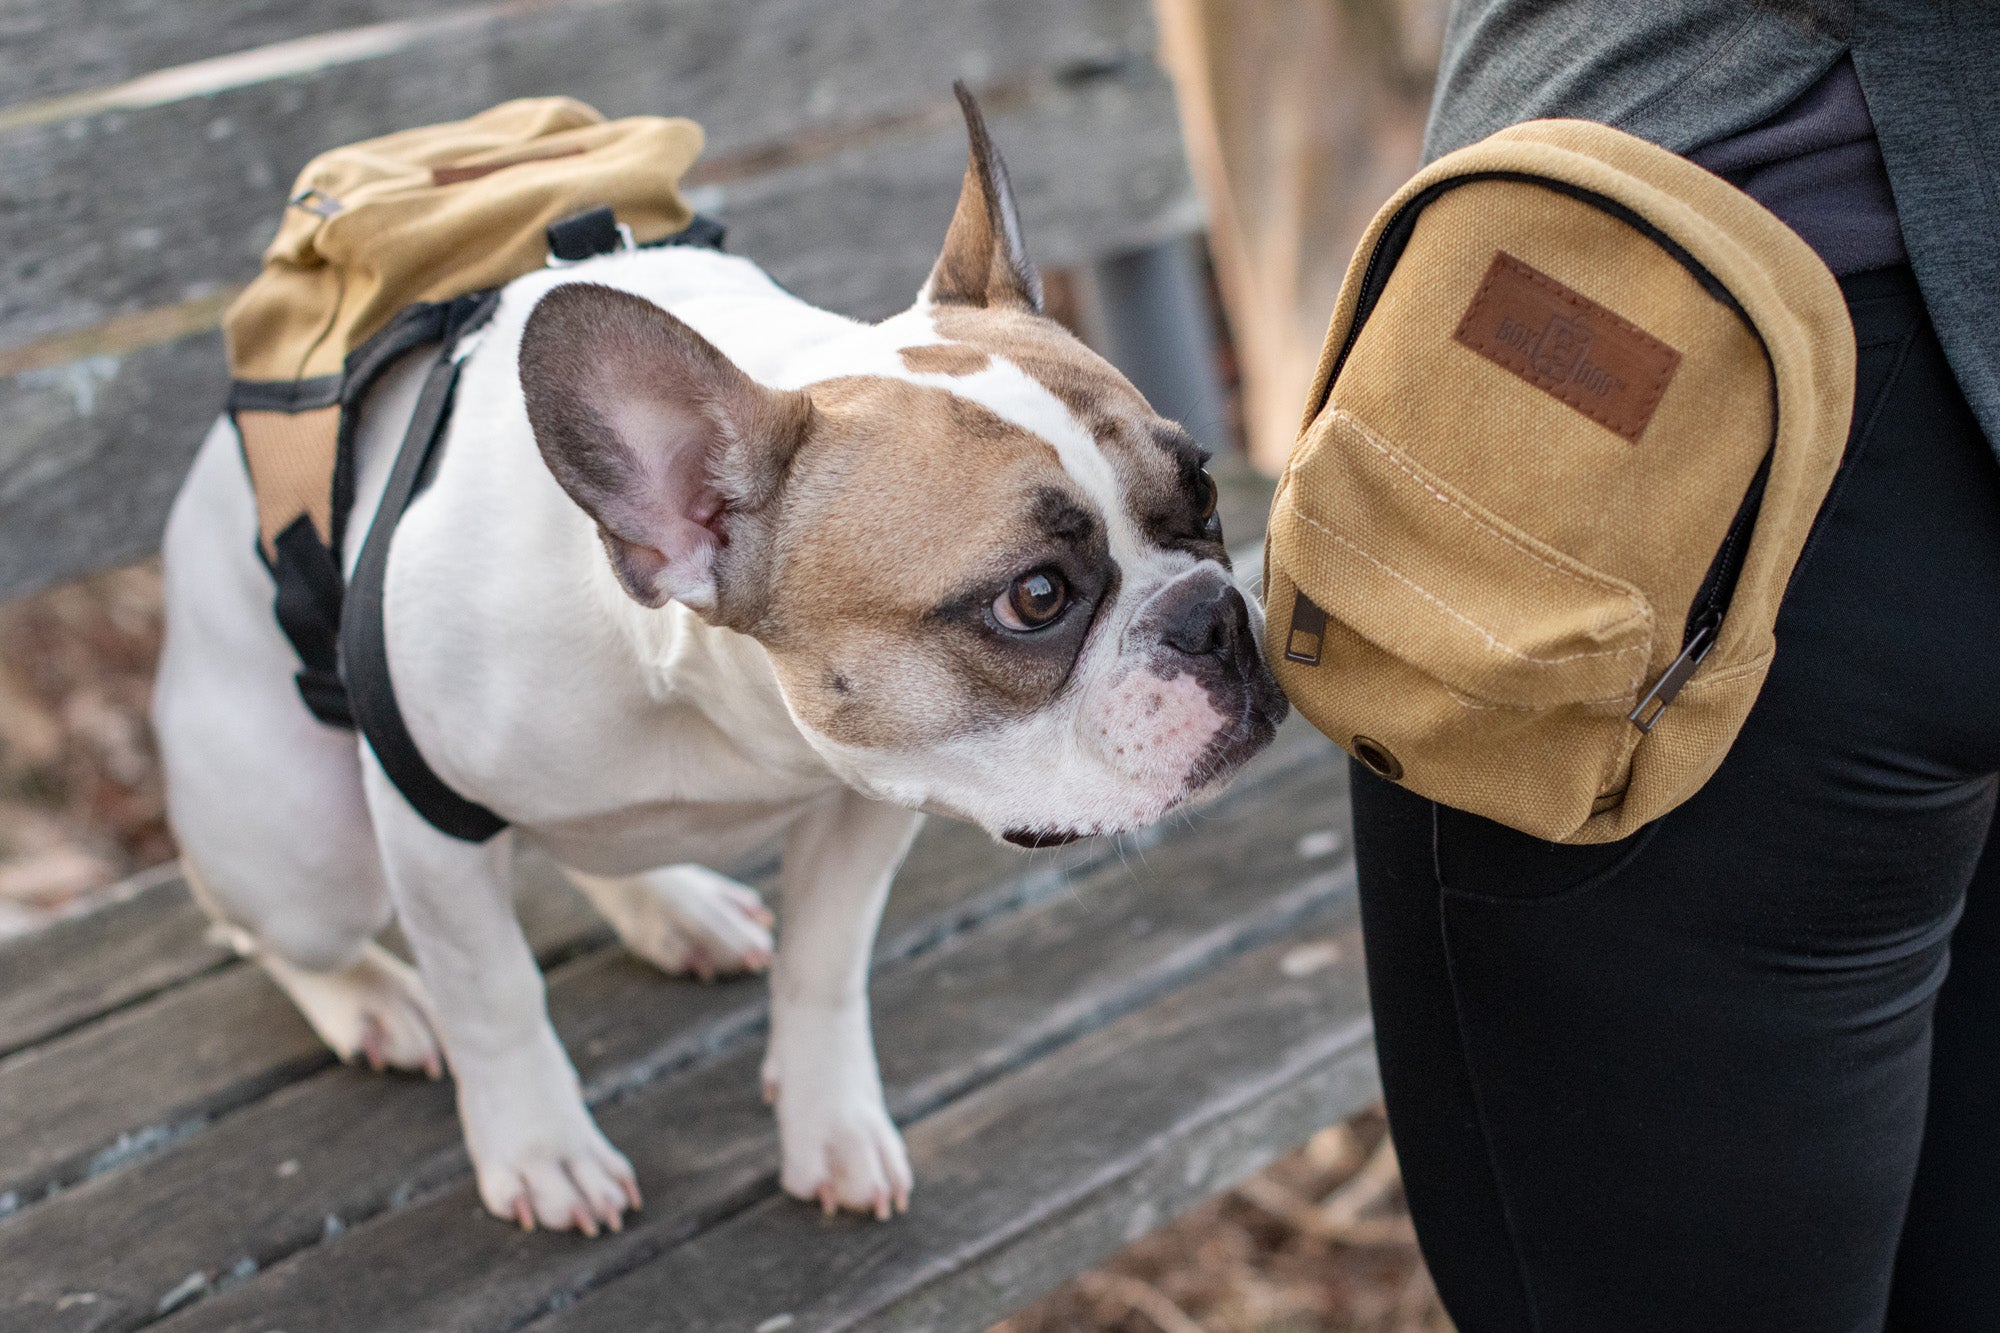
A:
{"points": [[1081, 199], [152, 1073], [217, 166], [962, 1012], [1032, 1179], [97, 444], [56, 49], [152, 937], [76, 970]]}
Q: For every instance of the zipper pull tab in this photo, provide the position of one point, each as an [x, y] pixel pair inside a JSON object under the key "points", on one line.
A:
{"points": [[1669, 685]]}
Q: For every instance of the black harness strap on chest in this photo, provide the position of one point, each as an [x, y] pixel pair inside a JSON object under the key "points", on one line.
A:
{"points": [[338, 631], [305, 567], [310, 592], [364, 647]]}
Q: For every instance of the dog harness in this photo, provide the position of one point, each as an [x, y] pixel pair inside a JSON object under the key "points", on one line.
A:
{"points": [[388, 247]]}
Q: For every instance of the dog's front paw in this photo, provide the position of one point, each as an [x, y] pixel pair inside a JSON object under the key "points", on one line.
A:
{"points": [[845, 1155], [840, 1148], [541, 1159]]}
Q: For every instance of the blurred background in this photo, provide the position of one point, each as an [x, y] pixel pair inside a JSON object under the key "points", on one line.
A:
{"points": [[1299, 117]]}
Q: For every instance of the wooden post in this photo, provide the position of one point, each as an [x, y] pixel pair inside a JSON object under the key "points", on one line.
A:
{"points": [[1301, 117]]}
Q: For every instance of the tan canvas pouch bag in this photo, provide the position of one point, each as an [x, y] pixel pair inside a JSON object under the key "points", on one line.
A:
{"points": [[1578, 407]]}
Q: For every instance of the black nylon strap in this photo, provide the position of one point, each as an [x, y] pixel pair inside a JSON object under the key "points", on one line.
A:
{"points": [[704, 233], [307, 604], [412, 327], [363, 638], [284, 395], [361, 693]]}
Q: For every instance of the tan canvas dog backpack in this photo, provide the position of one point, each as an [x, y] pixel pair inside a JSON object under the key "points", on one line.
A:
{"points": [[388, 246], [423, 216], [1577, 410]]}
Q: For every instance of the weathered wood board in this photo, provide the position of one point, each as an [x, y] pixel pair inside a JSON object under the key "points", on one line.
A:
{"points": [[1098, 1149], [221, 1039], [769, 82], [84, 968]]}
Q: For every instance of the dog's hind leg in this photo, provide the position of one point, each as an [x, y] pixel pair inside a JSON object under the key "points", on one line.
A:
{"points": [[684, 919], [265, 800], [369, 1010]]}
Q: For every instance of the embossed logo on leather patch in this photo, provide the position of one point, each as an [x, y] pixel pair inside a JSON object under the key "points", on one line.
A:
{"points": [[1568, 346]]}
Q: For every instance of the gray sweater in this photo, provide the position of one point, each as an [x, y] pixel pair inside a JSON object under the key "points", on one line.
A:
{"points": [[1686, 73]]}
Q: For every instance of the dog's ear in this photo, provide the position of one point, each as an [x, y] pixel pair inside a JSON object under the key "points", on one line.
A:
{"points": [[660, 438], [985, 260]]}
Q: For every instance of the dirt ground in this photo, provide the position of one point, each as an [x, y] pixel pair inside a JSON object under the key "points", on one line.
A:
{"points": [[80, 799], [1318, 1243]]}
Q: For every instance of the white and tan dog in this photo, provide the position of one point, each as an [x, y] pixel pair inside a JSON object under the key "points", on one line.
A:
{"points": [[704, 567]]}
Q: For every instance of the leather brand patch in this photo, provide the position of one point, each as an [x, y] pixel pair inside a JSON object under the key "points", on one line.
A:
{"points": [[1568, 346]]}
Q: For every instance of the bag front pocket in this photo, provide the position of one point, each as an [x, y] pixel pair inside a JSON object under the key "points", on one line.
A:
{"points": [[1424, 572], [1459, 652]]}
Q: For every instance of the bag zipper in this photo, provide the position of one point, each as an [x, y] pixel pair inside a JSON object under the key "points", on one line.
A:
{"points": [[1711, 602], [1718, 585]]}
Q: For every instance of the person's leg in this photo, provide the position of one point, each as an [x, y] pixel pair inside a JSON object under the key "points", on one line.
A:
{"points": [[1679, 1082], [1948, 1270], [1447, 1175]]}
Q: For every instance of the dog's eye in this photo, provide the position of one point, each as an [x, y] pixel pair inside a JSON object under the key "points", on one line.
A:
{"points": [[1033, 601]]}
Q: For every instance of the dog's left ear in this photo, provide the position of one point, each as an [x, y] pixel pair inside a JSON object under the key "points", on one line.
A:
{"points": [[664, 441], [985, 261]]}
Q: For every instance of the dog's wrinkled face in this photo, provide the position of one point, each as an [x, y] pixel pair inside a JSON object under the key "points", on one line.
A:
{"points": [[990, 578]]}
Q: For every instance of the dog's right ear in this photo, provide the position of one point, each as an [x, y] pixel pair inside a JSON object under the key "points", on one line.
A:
{"points": [[662, 439], [985, 260]]}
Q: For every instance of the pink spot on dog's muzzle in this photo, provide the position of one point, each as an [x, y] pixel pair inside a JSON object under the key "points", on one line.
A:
{"points": [[1153, 730]]}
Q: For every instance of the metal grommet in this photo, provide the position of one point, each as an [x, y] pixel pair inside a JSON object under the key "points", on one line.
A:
{"points": [[1380, 762]]}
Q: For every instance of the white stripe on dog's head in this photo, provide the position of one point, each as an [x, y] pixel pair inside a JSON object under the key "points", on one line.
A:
{"points": [[989, 379]]}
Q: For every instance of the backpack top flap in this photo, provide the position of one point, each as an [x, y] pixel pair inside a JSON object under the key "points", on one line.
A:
{"points": [[1578, 406], [433, 213], [419, 217]]}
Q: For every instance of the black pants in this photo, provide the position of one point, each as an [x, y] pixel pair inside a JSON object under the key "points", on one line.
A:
{"points": [[1717, 1076]]}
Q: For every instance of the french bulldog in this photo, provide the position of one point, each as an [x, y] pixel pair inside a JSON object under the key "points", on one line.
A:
{"points": [[704, 568]]}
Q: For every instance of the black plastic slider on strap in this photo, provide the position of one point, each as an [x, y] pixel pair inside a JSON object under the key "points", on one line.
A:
{"points": [[703, 233], [584, 235], [364, 647]]}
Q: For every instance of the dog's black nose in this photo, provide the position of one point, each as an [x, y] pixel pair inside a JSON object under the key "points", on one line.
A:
{"points": [[1211, 621]]}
